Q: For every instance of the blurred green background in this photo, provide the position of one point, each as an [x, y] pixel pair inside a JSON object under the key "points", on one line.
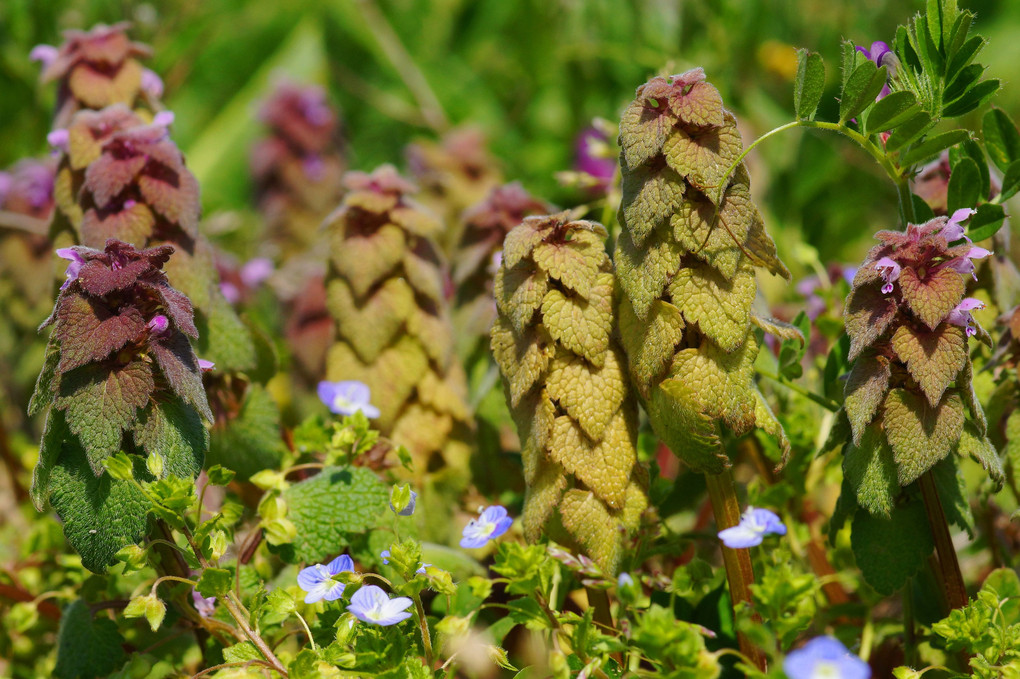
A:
{"points": [[530, 73]]}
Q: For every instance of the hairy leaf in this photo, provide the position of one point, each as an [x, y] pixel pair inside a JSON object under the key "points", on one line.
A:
{"points": [[721, 307], [522, 360], [371, 324], [591, 523], [100, 401], [88, 330], [174, 431], [933, 358], [865, 390], [582, 326], [871, 472], [364, 260], [868, 315], [603, 466], [809, 84], [718, 382], [701, 105], [645, 272], [542, 497], [919, 434], [933, 297], [704, 157], [651, 195], [574, 265], [692, 435], [981, 450], [643, 131], [519, 292], [889, 551], [180, 368], [590, 395], [330, 509], [650, 344]]}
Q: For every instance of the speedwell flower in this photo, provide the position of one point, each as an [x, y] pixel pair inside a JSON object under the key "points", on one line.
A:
{"points": [[754, 525], [319, 580], [370, 604], [824, 658], [347, 398], [492, 523]]}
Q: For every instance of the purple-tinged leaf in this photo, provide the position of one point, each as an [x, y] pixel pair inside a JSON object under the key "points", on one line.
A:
{"points": [[865, 390], [99, 279], [868, 315], [934, 357], [88, 330], [933, 297], [180, 367], [109, 174]]}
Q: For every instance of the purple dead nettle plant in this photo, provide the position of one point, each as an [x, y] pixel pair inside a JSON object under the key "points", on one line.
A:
{"points": [[121, 376]]}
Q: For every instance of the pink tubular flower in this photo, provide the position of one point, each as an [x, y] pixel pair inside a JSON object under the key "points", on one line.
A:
{"points": [[159, 324], [890, 271], [74, 267], [152, 84], [205, 366], [58, 139], [962, 317], [44, 54], [965, 264], [953, 230], [255, 271]]}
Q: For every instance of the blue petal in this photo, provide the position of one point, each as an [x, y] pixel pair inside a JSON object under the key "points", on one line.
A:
{"points": [[310, 578], [335, 592], [327, 393], [740, 537], [370, 411], [493, 514], [340, 564]]}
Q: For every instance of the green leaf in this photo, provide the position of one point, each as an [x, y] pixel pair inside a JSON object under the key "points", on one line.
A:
{"points": [[46, 384], [975, 97], [215, 582], [1010, 183], [986, 222], [932, 146], [809, 84], [890, 551], [704, 156], [100, 401], [87, 647], [981, 450], [721, 307], [860, 90], [865, 390], [972, 149], [251, 441], [964, 185], [908, 131], [933, 357], [100, 515], [871, 472], [174, 432], [920, 435], [329, 509], [223, 338], [892, 110], [1002, 141]]}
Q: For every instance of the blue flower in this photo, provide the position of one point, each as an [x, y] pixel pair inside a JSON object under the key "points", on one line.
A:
{"points": [[370, 604], [754, 525], [385, 554], [825, 657], [492, 523], [408, 509], [347, 398], [319, 582], [624, 581]]}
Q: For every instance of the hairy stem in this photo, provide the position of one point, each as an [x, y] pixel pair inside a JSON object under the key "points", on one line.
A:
{"points": [[426, 636], [739, 572], [948, 572]]}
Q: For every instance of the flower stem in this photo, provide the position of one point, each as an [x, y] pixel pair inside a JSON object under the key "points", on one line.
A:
{"points": [[948, 571], [739, 572], [831, 406], [426, 636]]}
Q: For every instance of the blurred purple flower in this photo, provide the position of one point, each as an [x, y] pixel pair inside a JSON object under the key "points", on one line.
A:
{"points": [[371, 604], [44, 54], [255, 271], [205, 606], [318, 580], [347, 398], [593, 156], [491, 523], [313, 167], [58, 139], [824, 657], [754, 525], [152, 84], [163, 119], [230, 292], [74, 267], [205, 366]]}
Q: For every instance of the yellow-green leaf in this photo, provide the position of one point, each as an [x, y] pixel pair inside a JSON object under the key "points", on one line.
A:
{"points": [[580, 325], [705, 155], [865, 390], [920, 435], [521, 359], [721, 307], [645, 272], [651, 343], [519, 292], [933, 297], [371, 325], [870, 470], [643, 131], [590, 395], [651, 195], [364, 260], [933, 358], [604, 466]]}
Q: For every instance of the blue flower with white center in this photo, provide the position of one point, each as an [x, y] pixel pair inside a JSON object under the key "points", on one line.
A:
{"points": [[492, 523], [347, 398], [319, 580], [824, 658], [370, 604], [754, 525]]}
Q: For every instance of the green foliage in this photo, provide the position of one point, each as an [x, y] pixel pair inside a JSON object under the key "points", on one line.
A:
{"points": [[890, 551], [809, 84], [250, 441], [988, 628], [86, 646], [329, 510]]}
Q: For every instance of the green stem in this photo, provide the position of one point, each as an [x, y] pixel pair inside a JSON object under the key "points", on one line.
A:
{"points": [[793, 386], [426, 636], [739, 571], [307, 630], [909, 635]]}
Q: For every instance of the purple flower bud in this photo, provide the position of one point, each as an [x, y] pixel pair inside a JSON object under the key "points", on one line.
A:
{"points": [[593, 156], [44, 54], [152, 84], [882, 55], [159, 324], [58, 139]]}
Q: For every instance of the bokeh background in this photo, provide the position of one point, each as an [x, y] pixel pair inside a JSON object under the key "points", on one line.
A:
{"points": [[530, 73]]}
